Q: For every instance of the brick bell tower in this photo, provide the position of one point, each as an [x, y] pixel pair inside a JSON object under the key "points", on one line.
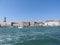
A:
{"points": [[4, 19]]}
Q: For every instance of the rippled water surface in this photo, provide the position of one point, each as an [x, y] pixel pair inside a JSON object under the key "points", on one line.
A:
{"points": [[30, 36]]}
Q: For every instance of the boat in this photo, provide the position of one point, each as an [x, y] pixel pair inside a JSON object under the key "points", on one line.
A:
{"points": [[20, 27]]}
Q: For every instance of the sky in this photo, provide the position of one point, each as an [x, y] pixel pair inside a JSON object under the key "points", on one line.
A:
{"points": [[29, 10]]}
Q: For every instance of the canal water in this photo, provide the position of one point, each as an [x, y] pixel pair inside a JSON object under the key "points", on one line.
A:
{"points": [[30, 36]]}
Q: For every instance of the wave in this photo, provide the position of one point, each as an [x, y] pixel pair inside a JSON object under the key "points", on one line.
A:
{"points": [[46, 41], [30, 36]]}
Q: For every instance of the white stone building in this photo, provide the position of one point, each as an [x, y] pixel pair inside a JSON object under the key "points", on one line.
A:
{"points": [[52, 23], [5, 23]]}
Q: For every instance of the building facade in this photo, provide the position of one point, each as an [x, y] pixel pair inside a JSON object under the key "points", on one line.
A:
{"points": [[34, 24], [52, 23], [6, 24], [24, 24]]}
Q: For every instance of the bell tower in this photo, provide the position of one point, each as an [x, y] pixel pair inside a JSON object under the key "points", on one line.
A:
{"points": [[4, 19]]}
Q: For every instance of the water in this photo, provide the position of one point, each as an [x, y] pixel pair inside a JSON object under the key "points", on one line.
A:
{"points": [[30, 36]]}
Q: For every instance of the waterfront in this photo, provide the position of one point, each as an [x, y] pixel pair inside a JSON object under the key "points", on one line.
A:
{"points": [[30, 36]]}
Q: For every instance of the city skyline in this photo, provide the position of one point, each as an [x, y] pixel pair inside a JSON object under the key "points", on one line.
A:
{"points": [[29, 10]]}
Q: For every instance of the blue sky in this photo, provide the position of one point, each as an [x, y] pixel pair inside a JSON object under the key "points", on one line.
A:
{"points": [[29, 10]]}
